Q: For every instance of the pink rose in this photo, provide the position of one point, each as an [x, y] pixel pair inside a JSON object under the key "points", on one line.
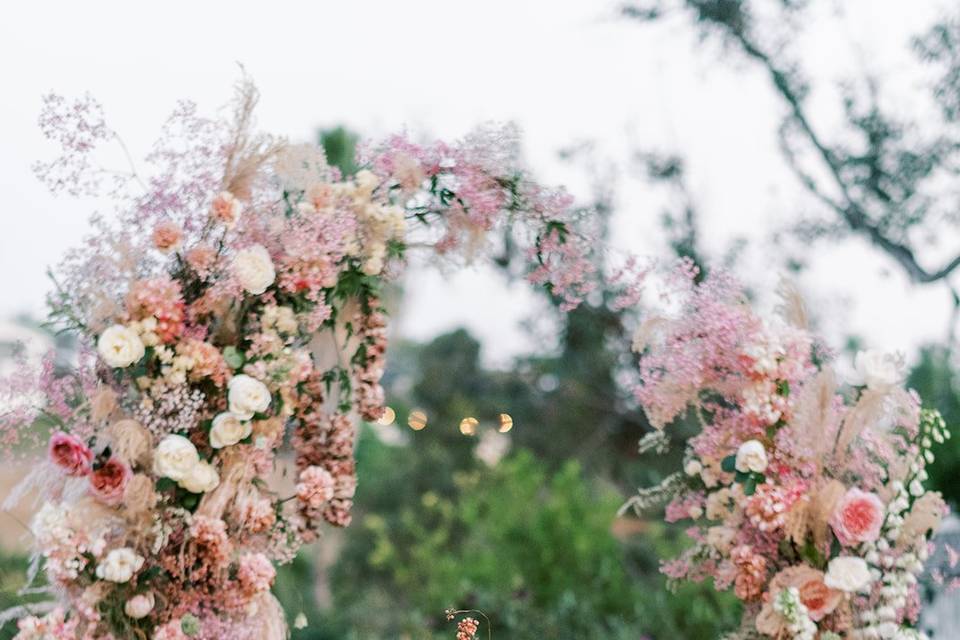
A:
{"points": [[857, 518], [108, 482], [70, 454]]}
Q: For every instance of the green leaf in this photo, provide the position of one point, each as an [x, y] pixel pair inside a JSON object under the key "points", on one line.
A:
{"points": [[165, 484], [729, 464], [234, 357], [750, 486], [812, 555]]}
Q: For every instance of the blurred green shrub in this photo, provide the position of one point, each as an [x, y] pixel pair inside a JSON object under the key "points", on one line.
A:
{"points": [[531, 548], [936, 379]]}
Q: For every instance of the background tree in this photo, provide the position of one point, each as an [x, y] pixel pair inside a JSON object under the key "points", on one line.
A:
{"points": [[884, 177]]}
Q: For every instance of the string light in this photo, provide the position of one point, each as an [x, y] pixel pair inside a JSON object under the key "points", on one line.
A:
{"points": [[417, 420], [506, 422], [468, 426], [388, 417]]}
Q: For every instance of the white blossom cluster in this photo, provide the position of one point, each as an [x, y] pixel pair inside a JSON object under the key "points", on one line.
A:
{"points": [[797, 620], [895, 567]]}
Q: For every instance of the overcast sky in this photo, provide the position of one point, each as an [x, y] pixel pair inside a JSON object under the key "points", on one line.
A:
{"points": [[565, 71]]}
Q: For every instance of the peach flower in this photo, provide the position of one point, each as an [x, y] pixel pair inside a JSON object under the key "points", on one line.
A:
{"points": [[201, 259], [819, 599], [225, 208], [167, 236], [108, 481], [857, 517]]}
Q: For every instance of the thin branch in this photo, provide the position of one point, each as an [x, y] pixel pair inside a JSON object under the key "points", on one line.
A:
{"points": [[852, 212]]}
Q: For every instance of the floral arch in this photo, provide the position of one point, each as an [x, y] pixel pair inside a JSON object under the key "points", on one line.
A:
{"points": [[231, 312]]}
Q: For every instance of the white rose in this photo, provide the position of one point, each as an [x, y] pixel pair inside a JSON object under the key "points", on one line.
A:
{"points": [[247, 396], [877, 370], [254, 269], [228, 429], [119, 565], [175, 457], [202, 478], [120, 346], [849, 574], [139, 606], [751, 456], [693, 468]]}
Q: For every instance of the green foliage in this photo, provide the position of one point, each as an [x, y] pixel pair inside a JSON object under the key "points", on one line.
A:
{"points": [[533, 551], [13, 572], [937, 381], [531, 547], [340, 145]]}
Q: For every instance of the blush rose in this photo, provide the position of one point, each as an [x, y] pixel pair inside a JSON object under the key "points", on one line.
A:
{"points": [[70, 454], [109, 481], [857, 517]]}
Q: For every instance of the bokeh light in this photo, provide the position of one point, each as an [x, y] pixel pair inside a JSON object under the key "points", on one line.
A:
{"points": [[417, 420], [388, 417], [468, 426]]}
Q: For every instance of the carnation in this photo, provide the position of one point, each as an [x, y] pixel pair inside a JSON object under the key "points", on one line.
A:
{"points": [[167, 236], [225, 208]]}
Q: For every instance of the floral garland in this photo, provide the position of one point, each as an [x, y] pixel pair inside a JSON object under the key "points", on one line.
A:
{"points": [[234, 327], [808, 502]]}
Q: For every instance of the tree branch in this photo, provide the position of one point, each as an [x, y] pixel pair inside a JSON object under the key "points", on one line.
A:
{"points": [[851, 211]]}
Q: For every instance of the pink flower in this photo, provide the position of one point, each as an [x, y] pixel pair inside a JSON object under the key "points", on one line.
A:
{"points": [[166, 236], [70, 454], [170, 631], [162, 299], [108, 482], [857, 517], [751, 573], [202, 259], [255, 573], [225, 208], [315, 487]]}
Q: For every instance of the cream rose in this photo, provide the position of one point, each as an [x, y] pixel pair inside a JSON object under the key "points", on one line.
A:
{"points": [[228, 429], [751, 457], [254, 269], [175, 458], [202, 478], [119, 565], [139, 606], [120, 346], [849, 574], [247, 396], [877, 370]]}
